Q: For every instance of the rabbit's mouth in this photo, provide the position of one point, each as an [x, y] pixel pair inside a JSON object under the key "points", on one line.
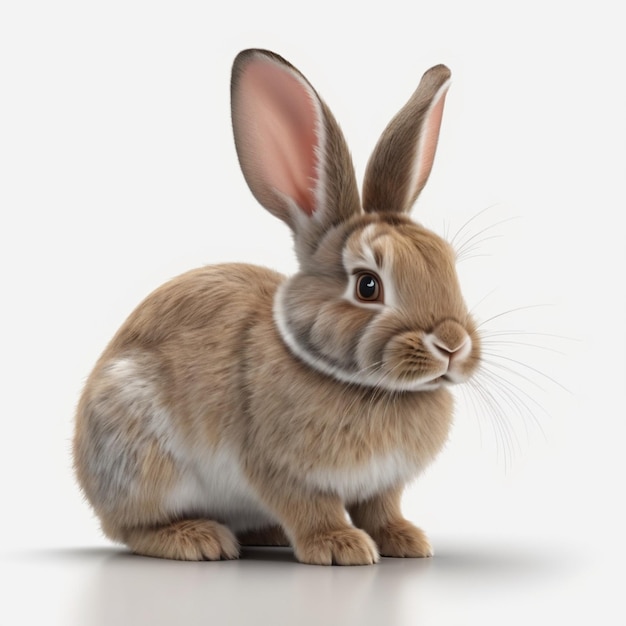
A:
{"points": [[446, 379], [449, 378], [435, 383]]}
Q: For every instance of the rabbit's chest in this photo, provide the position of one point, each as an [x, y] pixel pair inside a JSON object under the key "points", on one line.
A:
{"points": [[378, 473]]}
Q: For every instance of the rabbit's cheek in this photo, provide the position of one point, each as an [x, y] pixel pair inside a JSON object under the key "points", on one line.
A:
{"points": [[336, 330], [407, 359]]}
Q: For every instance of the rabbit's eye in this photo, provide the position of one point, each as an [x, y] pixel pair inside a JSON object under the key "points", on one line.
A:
{"points": [[368, 287]]}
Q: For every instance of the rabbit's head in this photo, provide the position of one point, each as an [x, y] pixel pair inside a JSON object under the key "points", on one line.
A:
{"points": [[377, 300]]}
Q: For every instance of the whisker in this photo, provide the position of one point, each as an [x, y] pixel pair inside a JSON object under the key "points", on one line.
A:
{"points": [[468, 397], [499, 395], [501, 366], [446, 229], [487, 228], [515, 332], [469, 221], [467, 251], [488, 295], [466, 257], [509, 342], [501, 428], [510, 312], [463, 245], [496, 395], [518, 393], [528, 367]]}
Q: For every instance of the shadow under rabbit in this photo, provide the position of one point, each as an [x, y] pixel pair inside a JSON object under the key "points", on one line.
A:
{"points": [[113, 586]]}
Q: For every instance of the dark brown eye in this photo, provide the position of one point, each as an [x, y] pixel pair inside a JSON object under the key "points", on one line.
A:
{"points": [[368, 287]]}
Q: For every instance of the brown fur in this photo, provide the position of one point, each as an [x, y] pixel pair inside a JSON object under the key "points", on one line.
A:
{"points": [[390, 185], [204, 365], [382, 519], [184, 540]]}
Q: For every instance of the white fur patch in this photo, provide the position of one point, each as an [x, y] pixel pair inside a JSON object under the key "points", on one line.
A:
{"points": [[122, 422], [141, 398], [211, 481], [213, 485], [360, 483]]}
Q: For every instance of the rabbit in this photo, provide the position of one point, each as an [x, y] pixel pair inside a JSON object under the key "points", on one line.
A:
{"points": [[236, 406]]}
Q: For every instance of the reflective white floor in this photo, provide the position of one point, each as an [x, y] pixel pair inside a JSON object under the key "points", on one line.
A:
{"points": [[462, 584]]}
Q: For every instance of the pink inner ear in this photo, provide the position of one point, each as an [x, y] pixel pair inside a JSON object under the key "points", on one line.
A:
{"points": [[282, 119], [428, 145]]}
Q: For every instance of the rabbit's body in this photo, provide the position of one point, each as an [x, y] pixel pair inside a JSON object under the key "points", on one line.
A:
{"points": [[235, 403], [180, 420]]}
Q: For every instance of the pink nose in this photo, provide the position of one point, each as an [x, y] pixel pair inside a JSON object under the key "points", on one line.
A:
{"points": [[451, 341], [445, 350]]}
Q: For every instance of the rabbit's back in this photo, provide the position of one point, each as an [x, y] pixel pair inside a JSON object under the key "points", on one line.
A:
{"points": [[163, 407]]}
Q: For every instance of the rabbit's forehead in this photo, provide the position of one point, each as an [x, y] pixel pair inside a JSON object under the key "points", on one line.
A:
{"points": [[410, 253], [370, 247]]}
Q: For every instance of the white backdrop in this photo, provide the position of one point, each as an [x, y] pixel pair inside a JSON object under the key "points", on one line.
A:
{"points": [[118, 171]]}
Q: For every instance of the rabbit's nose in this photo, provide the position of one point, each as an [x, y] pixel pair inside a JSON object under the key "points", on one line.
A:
{"points": [[456, 352], [450, 341]]}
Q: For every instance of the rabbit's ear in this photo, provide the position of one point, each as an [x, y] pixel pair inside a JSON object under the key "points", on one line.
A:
{"points": [[291, 150], [403, 157]]}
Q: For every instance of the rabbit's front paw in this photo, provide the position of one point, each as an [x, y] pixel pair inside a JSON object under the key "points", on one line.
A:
{"points": [[402, 539], [345, 546]]}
